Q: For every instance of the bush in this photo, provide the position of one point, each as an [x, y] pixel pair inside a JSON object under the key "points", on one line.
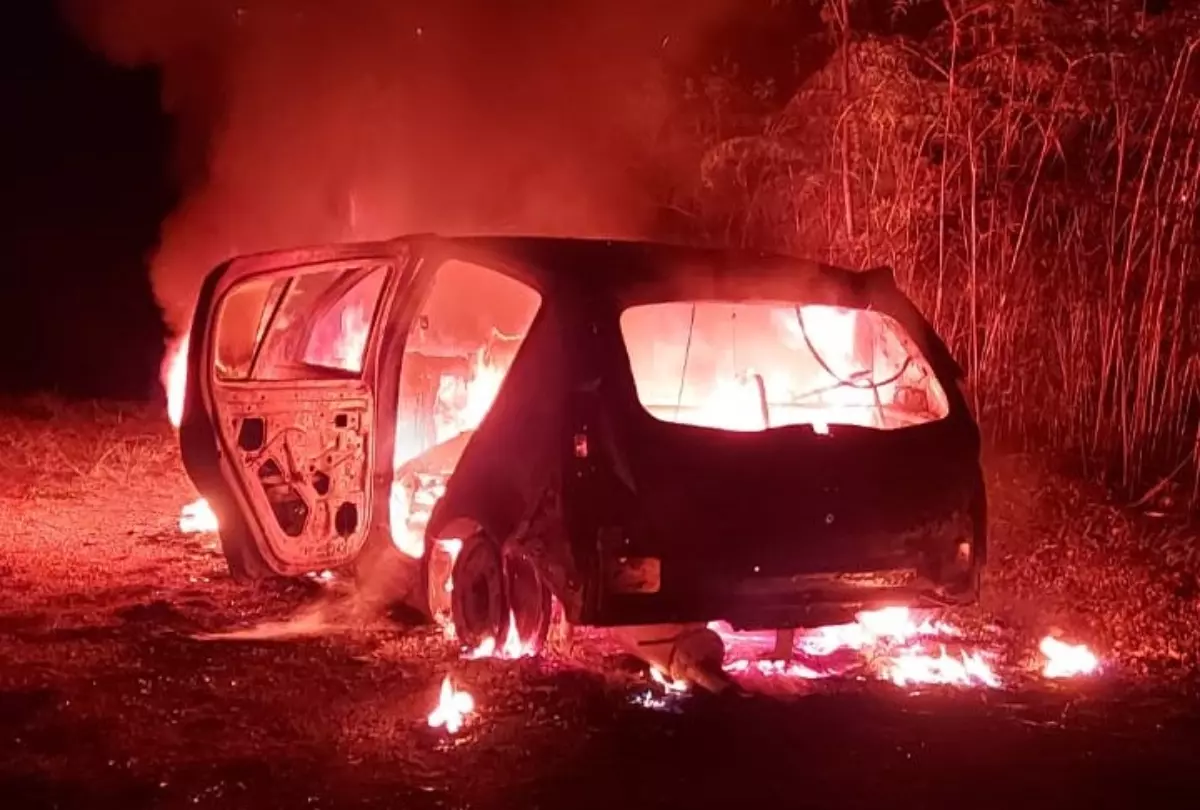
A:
{"points": [[1033, 175]]}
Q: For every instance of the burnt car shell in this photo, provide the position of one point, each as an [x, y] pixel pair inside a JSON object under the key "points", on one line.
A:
{"points": [[634, 520]]}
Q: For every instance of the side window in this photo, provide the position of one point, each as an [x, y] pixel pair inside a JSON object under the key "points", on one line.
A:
{"points": [[457, 354], [305, 326]]}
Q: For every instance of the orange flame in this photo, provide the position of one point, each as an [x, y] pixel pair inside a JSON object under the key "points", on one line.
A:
{"points": [[174, 380], [452, 708], [1067, 660], [512, 648], [894, 640], [669, 684], [196, 516]]}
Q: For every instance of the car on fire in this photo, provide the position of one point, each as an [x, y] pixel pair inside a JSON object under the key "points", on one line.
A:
{"points": [[640, 433]]}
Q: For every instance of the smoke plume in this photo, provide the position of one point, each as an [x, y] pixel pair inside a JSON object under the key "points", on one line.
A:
{"points": [[307, 121]]}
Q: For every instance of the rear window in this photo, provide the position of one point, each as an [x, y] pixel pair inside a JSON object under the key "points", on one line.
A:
{"points": [[760, 365]]}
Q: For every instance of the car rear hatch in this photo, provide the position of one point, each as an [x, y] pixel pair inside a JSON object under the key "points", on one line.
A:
{"points": [[755, 465], [720, 504]]}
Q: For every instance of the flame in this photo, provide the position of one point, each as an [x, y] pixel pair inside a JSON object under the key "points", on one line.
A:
{"points": [[917, 667], [894, 642], [197, 516], [345, 349], [175, 381], [452, 708], [750, 367], [512, 648], [1067, 660], [462, 402], [669, 684]]}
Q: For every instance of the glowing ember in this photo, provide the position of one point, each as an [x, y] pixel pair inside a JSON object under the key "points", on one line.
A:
{"points": [[1067, 660], [452, 708], [893, 643], [197, 516]]}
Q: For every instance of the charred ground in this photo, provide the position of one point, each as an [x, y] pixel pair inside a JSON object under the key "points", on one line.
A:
{"points": [[107, 698]]}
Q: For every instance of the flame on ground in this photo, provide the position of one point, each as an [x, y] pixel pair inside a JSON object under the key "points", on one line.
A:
{"points": [[196, 516], [1067, 660], [892, 643], [452, 708]]}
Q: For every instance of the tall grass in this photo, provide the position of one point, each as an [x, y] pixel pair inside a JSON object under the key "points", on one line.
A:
{"points": [[1034, 179]]}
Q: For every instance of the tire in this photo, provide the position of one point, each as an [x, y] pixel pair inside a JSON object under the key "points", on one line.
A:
{"points": [[528, 599], [479, 601]]}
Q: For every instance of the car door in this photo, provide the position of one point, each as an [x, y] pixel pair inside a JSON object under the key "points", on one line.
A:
{"points": [[279, 422]]}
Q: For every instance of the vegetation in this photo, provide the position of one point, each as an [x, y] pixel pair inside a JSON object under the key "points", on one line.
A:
{"points": [[1032, 172]]}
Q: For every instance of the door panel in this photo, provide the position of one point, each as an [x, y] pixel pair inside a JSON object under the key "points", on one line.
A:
{"points": [[302, 457], [279, 430]]}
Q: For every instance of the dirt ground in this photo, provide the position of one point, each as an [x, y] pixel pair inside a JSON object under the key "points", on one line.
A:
{"points": [[108, 698]]}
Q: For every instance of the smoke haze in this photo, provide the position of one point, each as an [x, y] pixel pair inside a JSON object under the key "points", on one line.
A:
{"points": [[309, 121]]}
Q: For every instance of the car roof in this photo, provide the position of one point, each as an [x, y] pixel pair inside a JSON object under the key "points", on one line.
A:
{"points": [[633, 271]]}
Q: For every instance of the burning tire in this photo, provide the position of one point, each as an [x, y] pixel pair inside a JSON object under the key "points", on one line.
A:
{"points": [[528, 599], [478, 601]]}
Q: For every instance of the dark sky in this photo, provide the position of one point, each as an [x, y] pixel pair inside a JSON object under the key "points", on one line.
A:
{"points": [[82, 194]]}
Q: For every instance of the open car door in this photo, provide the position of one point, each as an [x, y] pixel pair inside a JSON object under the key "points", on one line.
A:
{"points": [[278, 428]]}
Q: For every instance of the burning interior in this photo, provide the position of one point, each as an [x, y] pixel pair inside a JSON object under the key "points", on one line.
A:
{"points": [[459, 349], [755, 365]]}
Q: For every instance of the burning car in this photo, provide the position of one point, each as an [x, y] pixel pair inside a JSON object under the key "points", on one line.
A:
{"points": [[644, 434]]}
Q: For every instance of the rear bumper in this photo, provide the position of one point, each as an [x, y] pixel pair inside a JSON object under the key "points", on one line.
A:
{"points": [[787, 530], [937, 567]]}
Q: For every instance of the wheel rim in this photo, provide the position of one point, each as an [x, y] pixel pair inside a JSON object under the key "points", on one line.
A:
{"points": [[529, 600], [478, 605]]}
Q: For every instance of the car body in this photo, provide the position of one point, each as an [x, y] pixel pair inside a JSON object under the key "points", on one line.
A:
{"points": [[646, 433]]}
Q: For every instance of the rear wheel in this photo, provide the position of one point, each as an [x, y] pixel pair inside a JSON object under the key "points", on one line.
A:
{"points": [[529, 600], [478, 602]]}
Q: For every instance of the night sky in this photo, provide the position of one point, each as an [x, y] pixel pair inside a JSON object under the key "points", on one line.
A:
{"points": [[85, 186]]}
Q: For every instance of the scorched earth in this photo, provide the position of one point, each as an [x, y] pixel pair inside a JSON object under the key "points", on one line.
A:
{"points": [[137, 674]]}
